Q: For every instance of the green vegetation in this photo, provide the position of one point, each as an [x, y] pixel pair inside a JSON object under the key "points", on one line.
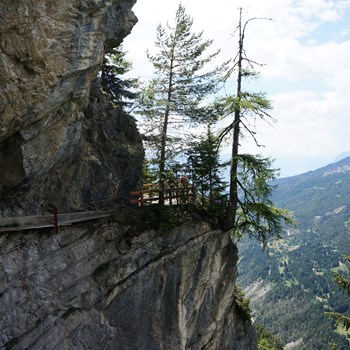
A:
{"points": [[174, 99], [205, 173], [113, 81], [266, 341], [250, 210], [177, 98], [255, 214], [340, 319], [242, 303]]}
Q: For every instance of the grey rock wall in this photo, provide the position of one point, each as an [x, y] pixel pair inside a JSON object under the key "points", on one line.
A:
{"points": [[99, 286], [61, 142]]}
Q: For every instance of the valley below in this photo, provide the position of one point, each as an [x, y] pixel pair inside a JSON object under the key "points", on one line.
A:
{"points": [[290, 283]]}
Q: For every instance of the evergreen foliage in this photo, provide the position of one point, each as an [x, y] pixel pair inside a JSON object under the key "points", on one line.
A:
{"points": [[256, 214], [148, 174], [250, 209], [175, 96], [266, 341], [177, 99], [112, 79], [205, 170], [242, 303], [344, 284]]}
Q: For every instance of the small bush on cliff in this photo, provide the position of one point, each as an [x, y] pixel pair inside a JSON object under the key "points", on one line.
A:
{"points": [[242, 303]]}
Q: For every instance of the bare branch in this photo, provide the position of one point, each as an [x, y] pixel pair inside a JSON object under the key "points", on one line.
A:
{"points": [[252, 134]]}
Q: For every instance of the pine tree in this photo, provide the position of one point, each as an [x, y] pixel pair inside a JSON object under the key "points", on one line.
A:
{"points": [[256, 214], [206, 173], [266, 341], [114, 67], [249, 209], [175, 96]]}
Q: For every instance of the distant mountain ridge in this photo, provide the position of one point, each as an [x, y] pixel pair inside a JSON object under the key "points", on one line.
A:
{"points": [[318, 191], [341, 157], [290, 284]]}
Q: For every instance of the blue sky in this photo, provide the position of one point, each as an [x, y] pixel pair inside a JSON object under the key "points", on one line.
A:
{"points": [[306, 52]]}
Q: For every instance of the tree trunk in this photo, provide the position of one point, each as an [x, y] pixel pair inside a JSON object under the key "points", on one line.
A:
{"points": [[164, 135], [233, 198]]}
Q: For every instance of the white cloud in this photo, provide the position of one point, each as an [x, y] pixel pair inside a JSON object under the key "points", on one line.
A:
{"points": [[310, 70]]}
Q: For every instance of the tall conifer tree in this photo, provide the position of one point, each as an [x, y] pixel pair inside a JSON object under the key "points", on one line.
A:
{"points": [[250, 209], [175, 96]]}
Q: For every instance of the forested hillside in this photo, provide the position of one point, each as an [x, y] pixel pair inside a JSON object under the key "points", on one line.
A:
{"points": [[290, 283]]}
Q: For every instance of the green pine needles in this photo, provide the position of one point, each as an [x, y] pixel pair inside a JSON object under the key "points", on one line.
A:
{"points": [[256, 215]]}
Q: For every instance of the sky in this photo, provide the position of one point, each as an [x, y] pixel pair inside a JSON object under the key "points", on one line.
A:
{"points": [[305, 52]]}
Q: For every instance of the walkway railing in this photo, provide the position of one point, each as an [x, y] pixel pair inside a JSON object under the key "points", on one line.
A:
{"points": [[173, 195]]}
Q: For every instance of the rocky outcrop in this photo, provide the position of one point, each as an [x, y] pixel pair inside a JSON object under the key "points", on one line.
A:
{"points": [[102, 286], [61, 143]]}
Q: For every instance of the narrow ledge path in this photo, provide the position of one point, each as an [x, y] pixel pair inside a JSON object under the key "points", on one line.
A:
{"points": [[23, 223]]}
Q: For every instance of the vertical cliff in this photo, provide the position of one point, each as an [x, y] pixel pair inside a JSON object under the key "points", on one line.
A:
{"points": [[61, 142], [111, 283], [101, 286]]}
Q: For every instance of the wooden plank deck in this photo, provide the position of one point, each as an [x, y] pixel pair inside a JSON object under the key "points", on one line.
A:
{"points": [[47, 221]]}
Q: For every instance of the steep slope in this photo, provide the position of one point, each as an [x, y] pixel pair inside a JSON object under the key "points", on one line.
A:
{"points": [[295, 285]]}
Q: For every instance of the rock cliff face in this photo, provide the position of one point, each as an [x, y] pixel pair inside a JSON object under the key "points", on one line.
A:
{"points": [[103, 287], [105, 284], [61, 144]]}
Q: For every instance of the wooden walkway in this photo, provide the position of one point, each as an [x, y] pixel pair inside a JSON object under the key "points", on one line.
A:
{"points": [[23, 223], [174, 195]]}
